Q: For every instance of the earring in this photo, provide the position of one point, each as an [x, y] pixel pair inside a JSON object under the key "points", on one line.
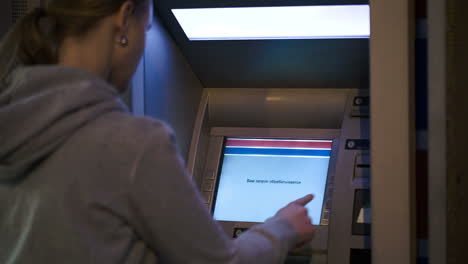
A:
{"points": [[123, 41]]}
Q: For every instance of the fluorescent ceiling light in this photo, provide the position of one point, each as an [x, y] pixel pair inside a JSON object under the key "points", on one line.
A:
{"points": [[290, 22]]}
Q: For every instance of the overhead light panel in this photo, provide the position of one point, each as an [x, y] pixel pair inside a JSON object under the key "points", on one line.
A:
{"points": [[286, 22]]}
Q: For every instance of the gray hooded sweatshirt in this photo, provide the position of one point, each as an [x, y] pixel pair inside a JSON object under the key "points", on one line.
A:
{"points": [[83, 181]]}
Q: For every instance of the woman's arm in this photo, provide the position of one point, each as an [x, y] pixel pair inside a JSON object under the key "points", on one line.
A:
{"points": [[170, 216]]}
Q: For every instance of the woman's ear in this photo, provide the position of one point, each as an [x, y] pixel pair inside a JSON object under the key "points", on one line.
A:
{"points": [[122, 20]]}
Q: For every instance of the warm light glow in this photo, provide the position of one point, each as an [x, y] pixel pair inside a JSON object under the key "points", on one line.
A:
{"points": [[273, 99], [291, 22]]}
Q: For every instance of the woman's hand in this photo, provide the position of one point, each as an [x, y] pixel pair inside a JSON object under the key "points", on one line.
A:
{"points": [[296, 213]]}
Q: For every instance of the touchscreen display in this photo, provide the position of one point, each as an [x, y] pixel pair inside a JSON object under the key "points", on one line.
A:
{"points": [[260, 176]]}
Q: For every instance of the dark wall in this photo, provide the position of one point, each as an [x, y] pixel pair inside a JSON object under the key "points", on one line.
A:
{"points": [[5, 17], [280, 63], [457, 131], [172, 91]]}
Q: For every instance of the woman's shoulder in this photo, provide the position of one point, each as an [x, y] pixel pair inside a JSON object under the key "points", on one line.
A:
{"points": [[128, 132], [149, 128], [114, 143]]}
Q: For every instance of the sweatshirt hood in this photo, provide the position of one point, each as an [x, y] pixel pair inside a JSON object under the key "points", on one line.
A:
{"points": [[41, 108]]}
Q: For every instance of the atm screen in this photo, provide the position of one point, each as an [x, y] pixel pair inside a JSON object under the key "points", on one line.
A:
{"points": [[260, 176]]}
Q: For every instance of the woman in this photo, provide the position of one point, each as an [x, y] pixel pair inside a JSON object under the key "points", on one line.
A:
{"points": [[81, 180]]}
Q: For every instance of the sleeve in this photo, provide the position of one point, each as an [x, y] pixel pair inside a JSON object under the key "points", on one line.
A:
{"points": [[170, 216]]}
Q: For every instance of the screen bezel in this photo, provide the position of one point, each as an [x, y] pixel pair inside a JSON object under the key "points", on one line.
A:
{"points": [[279, 133]]}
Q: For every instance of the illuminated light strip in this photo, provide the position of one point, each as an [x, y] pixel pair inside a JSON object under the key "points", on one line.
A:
{"points": [[278, 152], [276, 148], [280, 144], [284, 22], [271, 139], [279, 156]]}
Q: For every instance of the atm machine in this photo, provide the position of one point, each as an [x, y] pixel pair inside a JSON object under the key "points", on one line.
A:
{"points": [[255, 150]]}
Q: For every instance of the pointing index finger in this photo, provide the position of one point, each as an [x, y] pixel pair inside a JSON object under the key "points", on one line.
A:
{"points": [[304, 200]]}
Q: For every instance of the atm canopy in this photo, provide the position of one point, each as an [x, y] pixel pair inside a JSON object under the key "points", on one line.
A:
{"points": [[287, 63]]}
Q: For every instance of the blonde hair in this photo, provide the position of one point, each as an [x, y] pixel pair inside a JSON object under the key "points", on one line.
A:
{"points": [[36, 37]]}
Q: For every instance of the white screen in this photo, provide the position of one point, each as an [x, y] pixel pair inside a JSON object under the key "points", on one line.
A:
{"points": [[260, 176]]}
